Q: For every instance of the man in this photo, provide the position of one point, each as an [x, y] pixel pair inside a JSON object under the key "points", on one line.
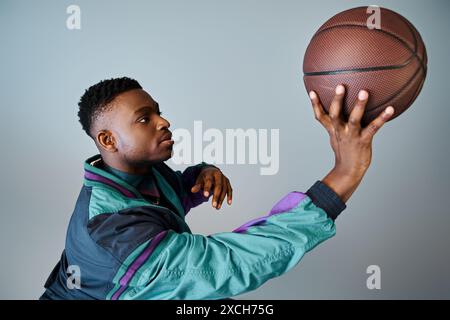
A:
{"points": [[128, 236]]}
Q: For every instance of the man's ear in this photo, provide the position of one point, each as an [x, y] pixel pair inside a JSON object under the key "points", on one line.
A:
{"points": [[105, 139]]}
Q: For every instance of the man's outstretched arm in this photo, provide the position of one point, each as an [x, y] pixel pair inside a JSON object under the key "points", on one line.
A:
{"points": [[174, 265]]}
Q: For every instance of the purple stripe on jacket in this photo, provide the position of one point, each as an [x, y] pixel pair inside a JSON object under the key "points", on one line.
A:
{"points": [[92, 176], [132, 269], [289, 202]]}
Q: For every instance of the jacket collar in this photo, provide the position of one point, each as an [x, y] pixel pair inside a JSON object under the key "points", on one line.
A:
{"points": [[93, 172], [132, 179], [145, 183]]}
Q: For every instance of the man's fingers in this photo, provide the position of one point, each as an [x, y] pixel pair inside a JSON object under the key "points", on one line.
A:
{"points": [[336, 106], [217, 189], [196, 187], [223, 193], [373, 127], [198, 184], [354, 120], [207, 186], [319, 113], [229, 194]]}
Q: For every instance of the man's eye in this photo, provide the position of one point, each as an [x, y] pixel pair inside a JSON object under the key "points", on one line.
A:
{"points": [[146, 119]]}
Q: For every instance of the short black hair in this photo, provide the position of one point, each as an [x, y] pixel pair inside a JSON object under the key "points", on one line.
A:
{"points": [[95, 99]]}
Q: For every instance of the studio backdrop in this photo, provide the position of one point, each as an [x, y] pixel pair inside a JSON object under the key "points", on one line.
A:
{"points": [[217, 67]]}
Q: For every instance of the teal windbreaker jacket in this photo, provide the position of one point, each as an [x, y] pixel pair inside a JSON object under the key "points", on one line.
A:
{"points": [[126, 247]]}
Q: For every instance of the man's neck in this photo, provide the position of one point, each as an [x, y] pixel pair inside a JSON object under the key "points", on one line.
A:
{"points": [[127, 168]]}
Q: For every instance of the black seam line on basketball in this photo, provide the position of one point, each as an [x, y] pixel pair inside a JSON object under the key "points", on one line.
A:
{"points": [[364, 26], [369, 69], [417, 91], [392, 96], [378, 30], [416, 73], [416, 47], [412, 32], [381, 106]]}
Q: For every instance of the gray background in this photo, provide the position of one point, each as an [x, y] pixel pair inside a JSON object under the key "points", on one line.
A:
{"points": [[231, 64]]}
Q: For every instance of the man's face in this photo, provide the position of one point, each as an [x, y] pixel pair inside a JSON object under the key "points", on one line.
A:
{"points": [[141, 135]]}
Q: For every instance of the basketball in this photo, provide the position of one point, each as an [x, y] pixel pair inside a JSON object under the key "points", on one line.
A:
{"points": [[368, 48]]}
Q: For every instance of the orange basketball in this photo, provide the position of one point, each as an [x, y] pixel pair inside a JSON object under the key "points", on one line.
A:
{"points": [[390, 61]]}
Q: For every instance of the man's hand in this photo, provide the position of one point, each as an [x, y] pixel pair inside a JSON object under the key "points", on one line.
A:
{"points": [[212, 176], [352, 145]]}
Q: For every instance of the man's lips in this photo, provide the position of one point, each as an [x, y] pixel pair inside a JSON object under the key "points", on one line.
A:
{"points": [[166, 137]]}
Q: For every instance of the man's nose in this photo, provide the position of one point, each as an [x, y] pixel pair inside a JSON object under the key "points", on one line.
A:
{"points": [[163, 124]]}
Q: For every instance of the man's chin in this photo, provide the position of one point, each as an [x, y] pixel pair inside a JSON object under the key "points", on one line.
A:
{"points": [[170, 154]]}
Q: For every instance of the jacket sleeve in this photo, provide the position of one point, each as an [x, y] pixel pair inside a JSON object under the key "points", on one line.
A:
{"points": [[187, 179], [190, 266]]}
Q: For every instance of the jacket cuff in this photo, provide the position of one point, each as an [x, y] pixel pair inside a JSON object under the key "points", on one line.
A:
{"points": [[325, 198]]}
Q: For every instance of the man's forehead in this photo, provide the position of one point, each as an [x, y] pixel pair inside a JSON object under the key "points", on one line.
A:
{"points": [[133, 100]]}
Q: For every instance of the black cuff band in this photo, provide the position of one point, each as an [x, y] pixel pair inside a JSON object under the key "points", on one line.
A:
{"points": [[325, 198]]}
